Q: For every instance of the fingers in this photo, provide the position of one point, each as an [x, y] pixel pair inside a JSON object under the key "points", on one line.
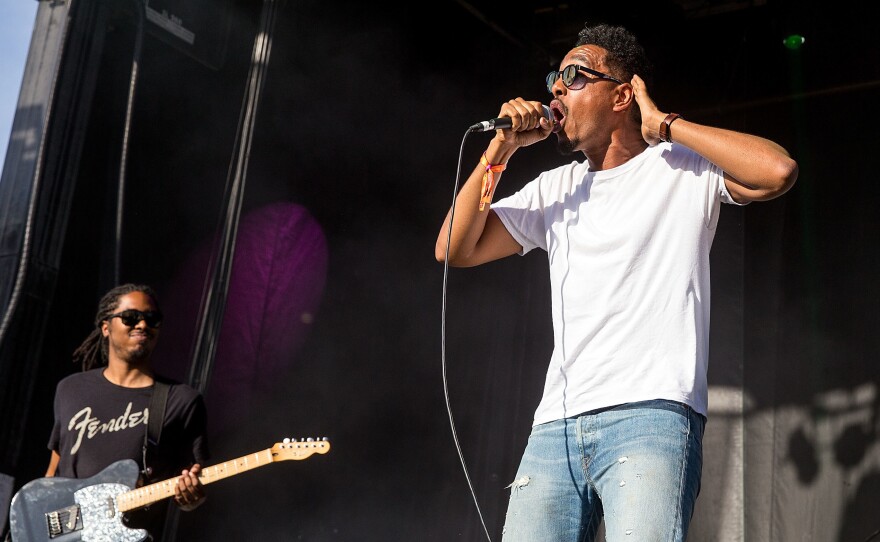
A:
{"points": [[641, 94], [526, 126], [524, 115], [649, 112], [189, 490]]}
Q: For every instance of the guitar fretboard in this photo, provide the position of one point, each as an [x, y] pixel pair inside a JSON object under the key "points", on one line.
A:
{"points": [[149, 494]]}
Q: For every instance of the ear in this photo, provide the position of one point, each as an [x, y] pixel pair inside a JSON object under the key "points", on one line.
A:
{"points": [[105, 328], [624, 98]]}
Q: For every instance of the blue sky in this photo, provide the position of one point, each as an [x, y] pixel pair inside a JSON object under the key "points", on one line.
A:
{"points": [[16, 27]]}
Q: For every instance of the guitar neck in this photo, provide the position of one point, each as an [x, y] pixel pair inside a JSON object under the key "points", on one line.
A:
{"points": [[143, 496], [282, 451]]}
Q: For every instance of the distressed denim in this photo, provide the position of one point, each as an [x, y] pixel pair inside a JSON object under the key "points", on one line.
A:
{"points": [[637, 465]]}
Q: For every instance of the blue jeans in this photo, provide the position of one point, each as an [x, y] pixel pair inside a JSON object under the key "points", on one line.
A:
{"points": [[638, 465]]}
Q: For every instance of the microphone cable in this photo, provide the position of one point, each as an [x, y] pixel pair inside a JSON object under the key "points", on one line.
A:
{"points": [[443, 335]]}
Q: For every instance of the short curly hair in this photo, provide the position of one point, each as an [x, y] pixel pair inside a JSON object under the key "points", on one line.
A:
{"points": [[624, 57]]}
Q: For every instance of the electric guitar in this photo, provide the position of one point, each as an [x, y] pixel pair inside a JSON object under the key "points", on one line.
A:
{"points": [[91, 509]]}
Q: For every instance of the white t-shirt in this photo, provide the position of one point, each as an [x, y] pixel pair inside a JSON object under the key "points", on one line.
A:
{"points": [[628, 250]]}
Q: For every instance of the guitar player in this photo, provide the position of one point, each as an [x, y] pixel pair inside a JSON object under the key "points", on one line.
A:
{"points": [[102, 413]]}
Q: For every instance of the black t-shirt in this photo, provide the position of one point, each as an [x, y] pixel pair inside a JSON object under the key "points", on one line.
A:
{"points": [[98, 423]]}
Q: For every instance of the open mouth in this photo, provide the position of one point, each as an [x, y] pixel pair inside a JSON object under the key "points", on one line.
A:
{"points": [[558, 115]]}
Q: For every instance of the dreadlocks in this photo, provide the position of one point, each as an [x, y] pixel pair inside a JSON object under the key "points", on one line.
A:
{"points": [[92, 352]]}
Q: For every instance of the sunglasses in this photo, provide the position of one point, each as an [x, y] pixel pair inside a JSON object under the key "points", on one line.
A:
{"points": [[573, 79], [131, 317]]}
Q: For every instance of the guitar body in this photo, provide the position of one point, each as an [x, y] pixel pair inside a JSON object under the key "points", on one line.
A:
{"points": [[69, 510], [91, 509]]}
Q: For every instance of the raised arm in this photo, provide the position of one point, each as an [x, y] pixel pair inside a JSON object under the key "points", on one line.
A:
{"points": [[755, 169], [478, 236]]}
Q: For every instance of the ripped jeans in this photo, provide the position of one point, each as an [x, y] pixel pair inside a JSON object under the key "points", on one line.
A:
{"points": [[636, 465]]}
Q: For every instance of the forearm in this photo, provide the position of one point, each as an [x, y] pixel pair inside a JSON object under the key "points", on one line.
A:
{"points": [[762, 169], [54, 459], [469, 224], [755, 168]]}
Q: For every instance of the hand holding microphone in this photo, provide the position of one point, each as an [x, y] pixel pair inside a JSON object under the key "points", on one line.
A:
{"points": [[503, 123]]}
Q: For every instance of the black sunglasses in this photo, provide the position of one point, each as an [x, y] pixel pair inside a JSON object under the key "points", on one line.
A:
{"points": [[572, 78], [131, 317]]}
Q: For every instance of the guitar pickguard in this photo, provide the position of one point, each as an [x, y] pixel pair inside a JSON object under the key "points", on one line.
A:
{"points": [[102, 521]]}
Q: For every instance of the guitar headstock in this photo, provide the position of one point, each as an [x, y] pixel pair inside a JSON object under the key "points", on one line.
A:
{"points": [[299, 449]]}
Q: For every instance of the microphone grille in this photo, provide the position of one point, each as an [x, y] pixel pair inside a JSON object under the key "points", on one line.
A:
{"points": [[549, 114]]}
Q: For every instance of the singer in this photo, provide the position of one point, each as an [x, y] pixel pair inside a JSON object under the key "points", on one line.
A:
{"points": [[618, 432]]}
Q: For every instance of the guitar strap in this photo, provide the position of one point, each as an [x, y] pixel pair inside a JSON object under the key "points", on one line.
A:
{"points": [[154, 424]]}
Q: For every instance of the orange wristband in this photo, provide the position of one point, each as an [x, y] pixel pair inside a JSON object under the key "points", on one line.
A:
{"points": [[489, 180]]}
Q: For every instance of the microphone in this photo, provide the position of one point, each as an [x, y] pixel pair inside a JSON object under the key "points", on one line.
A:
{"points": [[500, 123]]}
